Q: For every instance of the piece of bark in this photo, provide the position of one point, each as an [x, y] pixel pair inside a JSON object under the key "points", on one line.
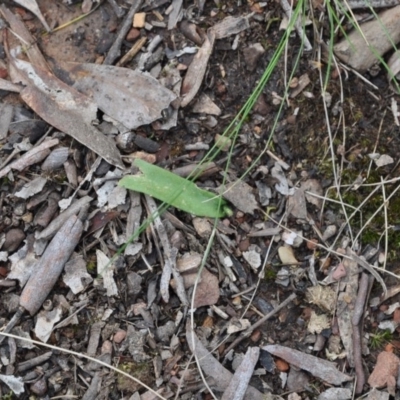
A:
{"points": [[6, 116], [318, 367], [94, 389], [241, 378], [213, 368], [95, 332], [31, 157], [56, 224], [33, 362], [50, 265], [345, 306], [380, 34], [174, 16], [46, 214], [230, 26]]}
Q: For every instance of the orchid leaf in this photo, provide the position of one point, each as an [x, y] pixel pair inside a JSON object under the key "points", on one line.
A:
{"points": [[175, 191]]}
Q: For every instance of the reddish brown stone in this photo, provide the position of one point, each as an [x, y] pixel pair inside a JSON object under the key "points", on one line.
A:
{"points": [[281, 365], [132, 35], [3, 73]]}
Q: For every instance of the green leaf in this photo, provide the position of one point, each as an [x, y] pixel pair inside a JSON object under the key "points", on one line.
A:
{"points": [[175, 191]]}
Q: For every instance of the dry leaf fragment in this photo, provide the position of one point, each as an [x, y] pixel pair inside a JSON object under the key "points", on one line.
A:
{"points": [[6, 115], [204, 105], [46, 321], [27, 40], [207, 290], [253, 257], [230, 26], [303, 81], [195, 73], [64, 108], [311, 187], [32, 6], [385, 372], [296, 204], [16, 384], [133, 98], [31, 188], [106, 270], [383, 160], [240, 194], [75, 272]]}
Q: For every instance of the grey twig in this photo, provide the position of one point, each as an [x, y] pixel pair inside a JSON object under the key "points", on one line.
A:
{"points": [[115, 50], [357, 345]]}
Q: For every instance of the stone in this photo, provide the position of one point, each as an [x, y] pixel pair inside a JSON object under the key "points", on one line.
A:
{"points": [[252, 55]]}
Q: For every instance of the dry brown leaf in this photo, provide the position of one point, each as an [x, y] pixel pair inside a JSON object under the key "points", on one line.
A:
{"points": [[27, 40], [133, 98], [197, 69], [64, 108], [32, 6]]}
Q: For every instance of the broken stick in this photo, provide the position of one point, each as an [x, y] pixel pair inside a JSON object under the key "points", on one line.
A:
{"points": [[48, 270]]}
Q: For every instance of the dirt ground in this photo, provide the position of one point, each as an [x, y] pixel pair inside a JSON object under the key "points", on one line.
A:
{"points": [[252, 266]]}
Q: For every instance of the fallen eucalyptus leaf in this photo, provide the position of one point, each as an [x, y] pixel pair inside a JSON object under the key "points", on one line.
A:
{"points": [[64, 108], [175, 191], [32, 6], [133, 98]]}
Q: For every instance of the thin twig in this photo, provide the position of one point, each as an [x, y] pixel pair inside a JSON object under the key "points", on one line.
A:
{"points": [[115, 50], [357, 345]]}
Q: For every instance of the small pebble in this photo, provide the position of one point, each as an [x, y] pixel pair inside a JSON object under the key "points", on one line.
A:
{"points": [[39, 387], [255, 336], [281, 365], [132, 35], [119, 336]]}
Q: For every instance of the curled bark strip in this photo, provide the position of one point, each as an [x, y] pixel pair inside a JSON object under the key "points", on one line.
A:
{"points": [[360, 300], [51, 264]]}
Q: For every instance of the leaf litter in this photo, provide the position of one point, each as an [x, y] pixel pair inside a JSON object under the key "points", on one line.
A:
{"points": [[95, 104]]}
